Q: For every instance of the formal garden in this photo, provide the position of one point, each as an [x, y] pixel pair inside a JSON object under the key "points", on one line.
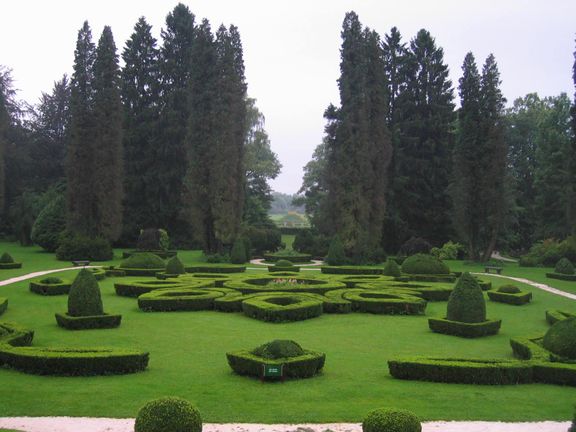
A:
{"points": [[425, 335]]}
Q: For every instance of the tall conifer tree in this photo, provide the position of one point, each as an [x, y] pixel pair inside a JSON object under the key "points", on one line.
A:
{"points": [[572, 202], [4, 123]]}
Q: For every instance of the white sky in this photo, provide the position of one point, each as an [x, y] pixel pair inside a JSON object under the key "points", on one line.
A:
{"points": [[291, 48]]}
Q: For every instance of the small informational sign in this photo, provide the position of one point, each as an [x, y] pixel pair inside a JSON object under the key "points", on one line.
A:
{"points": [[272, 371]]}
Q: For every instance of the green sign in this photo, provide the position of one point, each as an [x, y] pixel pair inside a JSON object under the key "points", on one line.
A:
{"points": [[272, 371]]}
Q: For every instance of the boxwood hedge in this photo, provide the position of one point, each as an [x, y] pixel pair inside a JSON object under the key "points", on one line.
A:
{"points": [[50, 286], [3, 305], [388, 302], [216, 268], [244, 362], [288, 284], [282, 308], [139, 287], [351, 270], [553, 316], [178, 299], [516, 299], [104, 321], [463, 329]]}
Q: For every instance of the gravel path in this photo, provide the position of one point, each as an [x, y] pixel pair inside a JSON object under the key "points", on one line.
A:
{"points": [[38, 274], [85, 424], [541, 286]]}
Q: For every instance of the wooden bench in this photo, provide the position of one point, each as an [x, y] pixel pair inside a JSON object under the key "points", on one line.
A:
{"points": [[80, 263], [487, 269]]}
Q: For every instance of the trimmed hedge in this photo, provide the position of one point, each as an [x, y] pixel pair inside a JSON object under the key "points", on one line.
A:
{"points": [[351, 270], [466, 303], [432, 278], [178, 299], [3, 305], [139, 287], [12, 334], [353, 281], [294, 257], [427, 292], [560, 339], [164, 254], [50, 288], [174, 266], [564, 266], [7, 262], [424, 264], [553, 316], [244, 362], [517, 299], [104, 321], [462, 329], [561, 276], [297, 284], [98, 273], [275, 308], [385, 302], [391, 268], [391, 420], [84, 298], [216, 268], [278, 348], [170, 414], [143, 260], [462, 371]]}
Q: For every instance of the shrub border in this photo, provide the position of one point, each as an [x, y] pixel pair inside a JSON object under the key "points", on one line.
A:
{"points": [[105, 321], [10, 266], [462, 329], [190, 300], [45, 289], [243, 362], [561, 276], [261, 309], [3, 305]]}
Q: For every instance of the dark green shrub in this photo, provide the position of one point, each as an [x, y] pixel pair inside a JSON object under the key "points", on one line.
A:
{"points": [[216, 268], [175, 266], [217, 258], [84, 298], [555, 315], [75, 247], [278, 348], [509, 289], [564, 266], [51, 280], [282, 308], [528, 261], [263, 239], [561, 339], [336, 255], [423, 264], [152, 239], [466, 303], [283, 263], [238, 253], [6, 258], [463, 329], [50, 224], [105, 321], [391, 269], [517, 298], [416, 245], [3, 307], [168, 414], [391, 420], [178, 299], [143, 260], [50, 286]]}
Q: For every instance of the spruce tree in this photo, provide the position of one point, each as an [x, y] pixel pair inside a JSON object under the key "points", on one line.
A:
{"points": [[572, 166], [141, 101], [4, 124]]}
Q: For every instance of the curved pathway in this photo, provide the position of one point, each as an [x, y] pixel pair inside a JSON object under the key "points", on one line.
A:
{"points": [[260, 261], [541, 286], [40, 273]]}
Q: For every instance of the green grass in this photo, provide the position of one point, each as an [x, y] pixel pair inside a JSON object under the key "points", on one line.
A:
{"points": [[187, 359]]}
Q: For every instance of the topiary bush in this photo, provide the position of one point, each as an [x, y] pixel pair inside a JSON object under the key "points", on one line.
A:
{"points": [[466, 303], [50, 224], [168, 414], [278, 348], [76, 247], [564, 266], [560, 339], [238, 253], [6, 258], [336, 255], [84, 298], [143, 260], [391, 269], [391, 420], [174, 266], [284, 263], [424, 264]]}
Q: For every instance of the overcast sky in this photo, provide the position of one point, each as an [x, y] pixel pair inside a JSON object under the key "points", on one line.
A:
{"points": [[291, 49]]}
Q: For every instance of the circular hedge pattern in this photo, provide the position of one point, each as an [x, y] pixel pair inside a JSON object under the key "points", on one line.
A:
{"points": [[424, 264], [168, 414], [294, 284], [279, 307], [560, 339], [139, 287], [388, 302], [391, 420]]}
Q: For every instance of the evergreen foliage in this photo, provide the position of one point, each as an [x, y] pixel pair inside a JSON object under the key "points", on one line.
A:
{"points": [[175, 266], [391, 268], [424, 264], [84, 298], [336, 255], [6, 258], [564, 266], [50, 224], [238, 253], [415, 245], [73, 247], [509, 289], [466, 303], [278, 349], [143, 260], [168, 414], [391, 420], [561, 338], [4, 124]]}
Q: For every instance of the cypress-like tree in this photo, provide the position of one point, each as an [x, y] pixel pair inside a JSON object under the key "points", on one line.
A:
{"points": [[572, 165], [4, 124], [141, 100], [108, 117]]}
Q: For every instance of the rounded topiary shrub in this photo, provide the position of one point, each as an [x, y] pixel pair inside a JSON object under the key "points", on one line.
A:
{"points": [[84, 298], [424, 264], [50, 224], [391, 420], [564, 266], [168, 414], [143, 260], [466, 302], [279, 348], [175, 266], [284, 263], [509, 289], [391, 269], [560, 339]]}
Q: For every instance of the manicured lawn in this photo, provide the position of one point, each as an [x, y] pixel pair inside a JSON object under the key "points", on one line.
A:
{"points": [[187, 359]]}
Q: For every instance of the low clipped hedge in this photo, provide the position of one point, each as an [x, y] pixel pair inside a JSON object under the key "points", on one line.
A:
{"points": [[50, 286], [293, 284], [105, 321], [282, 269], [178, 299], [391, 420], [427, 292], [8, 263], [517, 299], [553, 316], [353, 280], [3, 305], [139, 287], [12, 334], [164, 254], [462, 371], [244, 362], [561, 276], [293, 257], [385, 302], [216, 268], [275, 308], [170, 414], [432, 278], [463, 329], [351, 270], [99, 273]]}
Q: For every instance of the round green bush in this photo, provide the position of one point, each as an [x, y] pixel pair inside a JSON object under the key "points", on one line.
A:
{"points": [[143, 260], [509, 289], [283, 263], [391, 420], [561, 338], [564, 266], [84, 298], [466, 302], [424, 264], [168, 414], [6, 258], [279, 348], [391, 269], [175, 266], [50, 224]]}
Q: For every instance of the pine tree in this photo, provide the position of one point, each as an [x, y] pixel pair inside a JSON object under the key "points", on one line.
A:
{"points": [[141, 100]]}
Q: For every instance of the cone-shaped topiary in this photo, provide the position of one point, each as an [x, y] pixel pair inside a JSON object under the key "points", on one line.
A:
{"points": [[238, 252], [564, 266], [168, 414], [391, 268], [143, 260], [391, 420], [84, 298], [175, 266], [6, 258], [336, 255], [466, 302], [278, 348], [561, 338], [424, 264]]}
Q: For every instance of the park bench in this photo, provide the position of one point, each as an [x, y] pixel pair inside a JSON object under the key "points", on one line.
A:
{"points": [[79, 263], [488, 269]]}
